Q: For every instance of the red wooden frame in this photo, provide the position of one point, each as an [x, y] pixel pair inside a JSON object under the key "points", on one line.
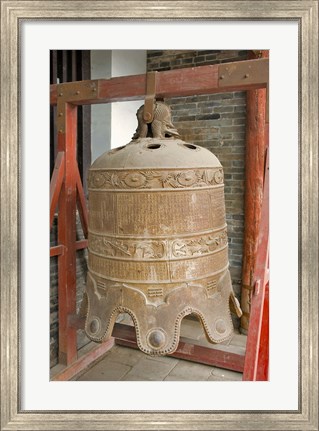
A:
{"points": [[66, 192]]}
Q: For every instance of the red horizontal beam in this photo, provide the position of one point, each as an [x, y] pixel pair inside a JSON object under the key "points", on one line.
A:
{"points": [[170, 83], [83, 362], [83, 243], [125, 335], [56, 250]]}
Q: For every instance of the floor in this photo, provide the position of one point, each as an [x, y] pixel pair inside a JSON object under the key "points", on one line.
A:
{"points": [[125, 363]]}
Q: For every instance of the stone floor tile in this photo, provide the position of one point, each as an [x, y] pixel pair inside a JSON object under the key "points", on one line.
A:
{"points": [[219, 379], [150, 369], [227, 374], [192, 329], [170, 378], [165, 359], [105, 370], [126, 355], [239, 340], [134, 378], [191, 371]]}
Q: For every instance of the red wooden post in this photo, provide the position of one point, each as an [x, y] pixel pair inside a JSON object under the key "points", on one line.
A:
{"points": [[56, 184], [254, 166], [263, 354], [67, 126], [256, 357]]}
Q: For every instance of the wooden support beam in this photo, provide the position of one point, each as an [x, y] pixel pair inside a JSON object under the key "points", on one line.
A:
{"points": [[67, 126], [81, 244], [257, 331], [170, 83], [81, 204], [221, 356], [87, 358], [254, 170], [263, 355], [190, 350], [56, 184], [56, 250]]}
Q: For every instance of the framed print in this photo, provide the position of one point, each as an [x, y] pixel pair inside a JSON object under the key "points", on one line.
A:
{"points": [[29, 30]]}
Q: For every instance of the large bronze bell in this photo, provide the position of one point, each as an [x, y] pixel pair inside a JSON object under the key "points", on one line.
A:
{"points": [[158, 239]]}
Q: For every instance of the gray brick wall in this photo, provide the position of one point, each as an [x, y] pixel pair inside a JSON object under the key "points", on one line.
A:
{"points": [[217, 122]]}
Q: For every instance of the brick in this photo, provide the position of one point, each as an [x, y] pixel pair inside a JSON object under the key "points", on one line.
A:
{"points": [[208, 52], [187, 61], [242, 94], [186, 118], [152, 53], [227, 54], [208, 117], [237, 101], [239, 121], [212, 59], [223, 109], [234, 115], [238, 177], [241, 108], [185, 106], [234, 129], [238, 163], [200, 59]]}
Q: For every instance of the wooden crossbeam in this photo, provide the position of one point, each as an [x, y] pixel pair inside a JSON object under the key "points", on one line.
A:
{"points": [[240, 76], [187, 349]]}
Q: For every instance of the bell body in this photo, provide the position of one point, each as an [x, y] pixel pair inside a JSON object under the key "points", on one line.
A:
{"points": [[158, 243]]}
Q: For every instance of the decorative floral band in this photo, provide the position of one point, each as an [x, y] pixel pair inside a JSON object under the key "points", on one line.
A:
{"points": [[158, 179]]}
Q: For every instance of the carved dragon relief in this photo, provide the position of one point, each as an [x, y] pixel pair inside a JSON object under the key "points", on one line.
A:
{"points": [[203, 245], [134, 249], [155, 179], [156, 249]]}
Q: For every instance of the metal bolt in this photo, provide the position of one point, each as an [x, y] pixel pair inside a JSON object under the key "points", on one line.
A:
{"points": [[222, 77], [247, 75], [60, 114], [60, 94], [61, 131], [94, 89], [77, 92]]}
